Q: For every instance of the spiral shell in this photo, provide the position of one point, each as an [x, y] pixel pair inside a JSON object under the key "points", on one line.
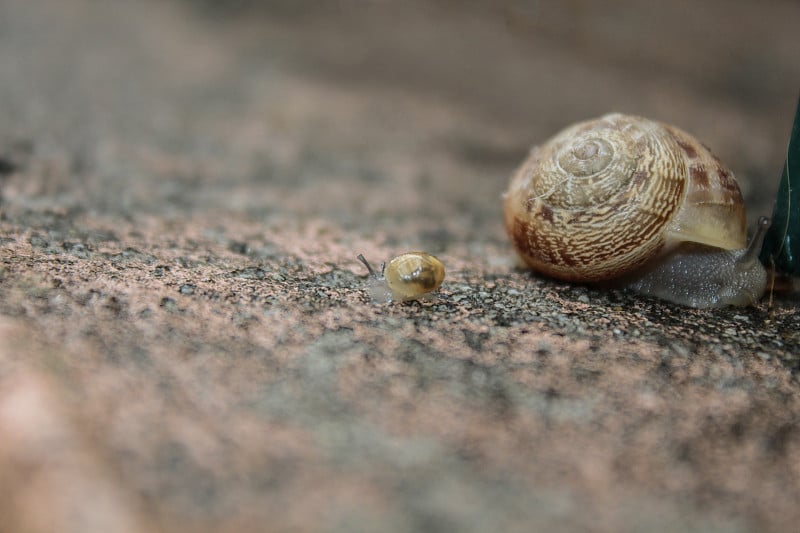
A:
{"points": [[605, 196]]}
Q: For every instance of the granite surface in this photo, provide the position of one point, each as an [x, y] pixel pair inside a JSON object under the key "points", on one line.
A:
{"points": [[186, 338]]}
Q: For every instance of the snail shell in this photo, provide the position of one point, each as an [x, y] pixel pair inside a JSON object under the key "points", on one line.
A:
{"points": [[408, 276], [604, 197]]}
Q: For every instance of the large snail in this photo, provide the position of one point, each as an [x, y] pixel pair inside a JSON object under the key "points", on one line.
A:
{"points": [[640, 204]]}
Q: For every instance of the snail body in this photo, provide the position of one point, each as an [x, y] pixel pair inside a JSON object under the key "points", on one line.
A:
{"points": [[408, 276], [627, 201]]}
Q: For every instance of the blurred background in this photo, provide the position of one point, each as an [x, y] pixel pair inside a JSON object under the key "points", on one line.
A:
{"points": [[382, 108]]}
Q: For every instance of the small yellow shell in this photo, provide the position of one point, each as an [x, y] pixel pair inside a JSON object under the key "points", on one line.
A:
{"points": [[604, 197], [407, 277], [413, 274]]}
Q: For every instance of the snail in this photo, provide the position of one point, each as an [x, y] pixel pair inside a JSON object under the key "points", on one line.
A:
{"points": [[408, 276], [629, 202]]}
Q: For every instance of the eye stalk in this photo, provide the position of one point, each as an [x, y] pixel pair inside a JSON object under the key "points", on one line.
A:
{"points": [[372, 272]]}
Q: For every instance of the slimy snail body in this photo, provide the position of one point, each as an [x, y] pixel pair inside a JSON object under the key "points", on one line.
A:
{"points": [[631, 202], [409, 276]]}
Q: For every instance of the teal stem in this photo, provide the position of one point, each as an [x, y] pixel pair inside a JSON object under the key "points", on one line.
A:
{"points": [[781, 248]]}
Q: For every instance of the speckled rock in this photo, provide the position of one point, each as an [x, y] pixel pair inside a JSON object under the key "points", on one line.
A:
{"points": [[186, 338]]}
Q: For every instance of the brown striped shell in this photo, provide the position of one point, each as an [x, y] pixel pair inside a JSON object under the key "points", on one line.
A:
{"points": [[605, 196]]}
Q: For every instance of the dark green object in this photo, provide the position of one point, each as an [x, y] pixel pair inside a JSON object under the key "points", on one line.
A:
{"points": [[782, 243]]}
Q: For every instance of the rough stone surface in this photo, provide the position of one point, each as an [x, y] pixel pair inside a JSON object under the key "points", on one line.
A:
{"points": [[186, 340]]}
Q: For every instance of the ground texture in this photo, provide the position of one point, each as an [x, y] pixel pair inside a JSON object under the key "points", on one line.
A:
{"points": [[186, 340]]}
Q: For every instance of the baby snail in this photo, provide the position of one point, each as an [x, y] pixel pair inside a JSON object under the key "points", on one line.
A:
{"points": [[408, 276], [628, 202]]}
